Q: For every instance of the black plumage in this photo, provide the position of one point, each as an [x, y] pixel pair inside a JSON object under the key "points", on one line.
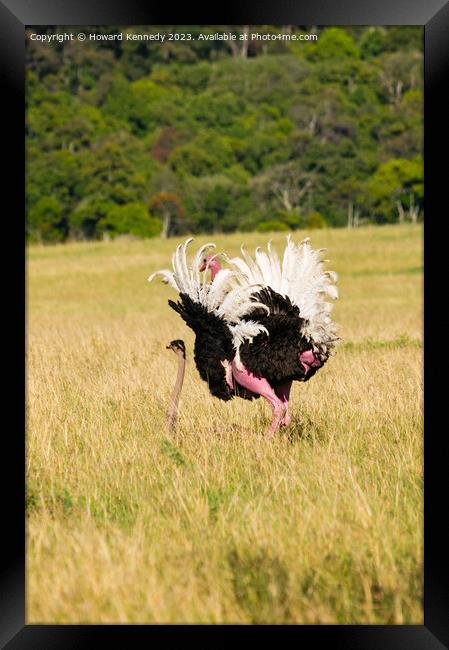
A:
{"points": [[276, 356], [213, 344]]}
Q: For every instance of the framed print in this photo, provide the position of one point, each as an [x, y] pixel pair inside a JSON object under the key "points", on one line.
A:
{"points": [[220, 447]]}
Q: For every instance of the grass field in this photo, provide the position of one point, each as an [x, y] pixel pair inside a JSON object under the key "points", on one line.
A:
{"points": [[215, 524]]}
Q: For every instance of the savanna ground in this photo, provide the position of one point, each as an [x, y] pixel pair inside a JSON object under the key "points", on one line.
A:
{"points": [[323, 524]]}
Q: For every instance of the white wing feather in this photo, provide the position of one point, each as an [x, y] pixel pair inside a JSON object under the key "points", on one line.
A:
{"points": [[302, 278], [225, 297]]}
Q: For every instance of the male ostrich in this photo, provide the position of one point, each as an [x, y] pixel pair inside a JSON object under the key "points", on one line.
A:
{"points": [[260, 324]]}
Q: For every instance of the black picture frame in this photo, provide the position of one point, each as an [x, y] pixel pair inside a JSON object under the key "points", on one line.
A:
{"points": [[434, 16]]}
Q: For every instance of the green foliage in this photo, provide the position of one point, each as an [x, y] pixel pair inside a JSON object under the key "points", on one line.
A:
{"points": [[132, 218], [394, 181], [334, 43], [373, 42], [89, 216], [45, 220], [316, 220], [285, 135], [205, 155], [272, 226]]}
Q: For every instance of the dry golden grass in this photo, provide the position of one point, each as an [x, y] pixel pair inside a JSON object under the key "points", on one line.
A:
{"points": [[215, 524]]}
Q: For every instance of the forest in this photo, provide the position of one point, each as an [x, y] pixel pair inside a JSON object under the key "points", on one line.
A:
{"points": [[146, 138]]}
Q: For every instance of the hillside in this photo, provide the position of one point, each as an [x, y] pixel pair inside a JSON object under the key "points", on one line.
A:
{"points": [[174, 137]]}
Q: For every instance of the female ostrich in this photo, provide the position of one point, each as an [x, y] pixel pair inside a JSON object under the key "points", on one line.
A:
{"points": [[179, 348], [259, 325]]}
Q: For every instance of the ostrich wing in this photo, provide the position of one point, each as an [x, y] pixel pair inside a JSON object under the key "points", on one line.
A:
{"points": [[213, 343], [225, 297], [302, 278]]}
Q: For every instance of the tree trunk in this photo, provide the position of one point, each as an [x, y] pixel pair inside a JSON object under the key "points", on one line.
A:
{"points": [[286, 200], [398, 93], [234, 49], [244, 48], [165, 224], [414, 209], [400, 211], [312, 124]]}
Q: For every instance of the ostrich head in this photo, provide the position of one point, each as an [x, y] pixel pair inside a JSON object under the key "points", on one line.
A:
{"points": [[312, 356], [210, 262], [309, 360], [178, 347]]}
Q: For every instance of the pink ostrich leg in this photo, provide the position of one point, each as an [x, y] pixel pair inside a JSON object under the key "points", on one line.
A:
{"points": [[260, 386], [283, 392]]}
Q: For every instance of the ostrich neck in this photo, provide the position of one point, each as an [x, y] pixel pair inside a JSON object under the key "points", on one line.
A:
{"points": [[174, 399], [215, 267]]}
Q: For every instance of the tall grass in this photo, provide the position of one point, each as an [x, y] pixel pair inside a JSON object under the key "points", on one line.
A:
{"points": [[125, 523]]}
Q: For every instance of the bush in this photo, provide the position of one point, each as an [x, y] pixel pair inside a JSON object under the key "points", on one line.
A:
{"points": [[208, 154], [133, 219], [373, 42], [316, 220], [85, 221], [271, 226], [334, 43], [45, 222]]}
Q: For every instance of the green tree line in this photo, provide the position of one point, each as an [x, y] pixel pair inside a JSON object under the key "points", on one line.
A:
{"points": [[197, 136]]}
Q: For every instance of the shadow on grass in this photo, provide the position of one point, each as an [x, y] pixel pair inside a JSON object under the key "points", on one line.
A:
{"points": [[261, 585], [304, 429]]}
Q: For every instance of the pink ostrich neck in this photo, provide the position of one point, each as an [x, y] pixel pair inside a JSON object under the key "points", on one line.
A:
{"points": [[214, 268]]}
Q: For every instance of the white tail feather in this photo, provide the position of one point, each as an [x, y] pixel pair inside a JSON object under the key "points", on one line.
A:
{"points": [[301, 277]]}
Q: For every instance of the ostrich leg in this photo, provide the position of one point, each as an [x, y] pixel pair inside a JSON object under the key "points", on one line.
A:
{"points": [[228, 373], [283, 392], [260, 386]]}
